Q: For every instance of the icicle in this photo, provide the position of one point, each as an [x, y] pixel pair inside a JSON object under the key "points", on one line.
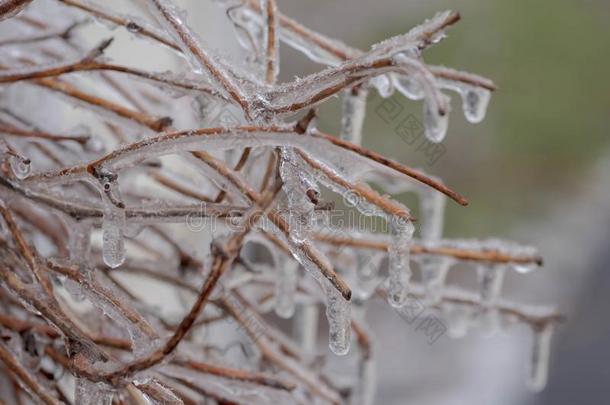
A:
{"points": [[285, 287], [113, 225], [364, 391], [433, 268], [458, 319], [541, 350], [353, 112], [21, 166], [113, 245], [435, 123], [432, 213], [433, 273], [399, 255], [474, 103], [490, 282], [339, 320]]}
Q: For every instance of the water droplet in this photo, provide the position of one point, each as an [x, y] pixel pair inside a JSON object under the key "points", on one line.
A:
{"points": [[539, 361], [339, 320], [435, 123], [474, 103], [21, 167], [410, 87]]}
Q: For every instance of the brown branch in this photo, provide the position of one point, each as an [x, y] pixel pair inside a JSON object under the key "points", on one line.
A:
{"points": [[308, 249], [392, 164], [62, 33], [19, 325], [26, 252], [13, 131], [90, 64], [170, 183], [483, 255], [154, 123], [223, 257], [95, 288], [277, 358], [30, 381], [237, 374], [271, 46], [390, 207], [9, 8]]}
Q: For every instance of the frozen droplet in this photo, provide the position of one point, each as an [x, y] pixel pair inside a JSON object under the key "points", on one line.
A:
{"points": [[384, 85], [458, 319], [352, 117], [410, 87], [524, 268], [399, 256], [366, 384], [339, 320], [113, 244], [436, 122], [539, 361], [490, 282], [432, 213], [113, 225], [433, 273], [21, 167], [474, 103]]}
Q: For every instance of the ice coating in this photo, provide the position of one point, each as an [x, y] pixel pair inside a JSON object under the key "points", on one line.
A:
{"points": [[299, 188], [188, 175]]}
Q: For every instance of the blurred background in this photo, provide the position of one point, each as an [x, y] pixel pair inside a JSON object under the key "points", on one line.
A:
{"points": [[536, 170]]}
